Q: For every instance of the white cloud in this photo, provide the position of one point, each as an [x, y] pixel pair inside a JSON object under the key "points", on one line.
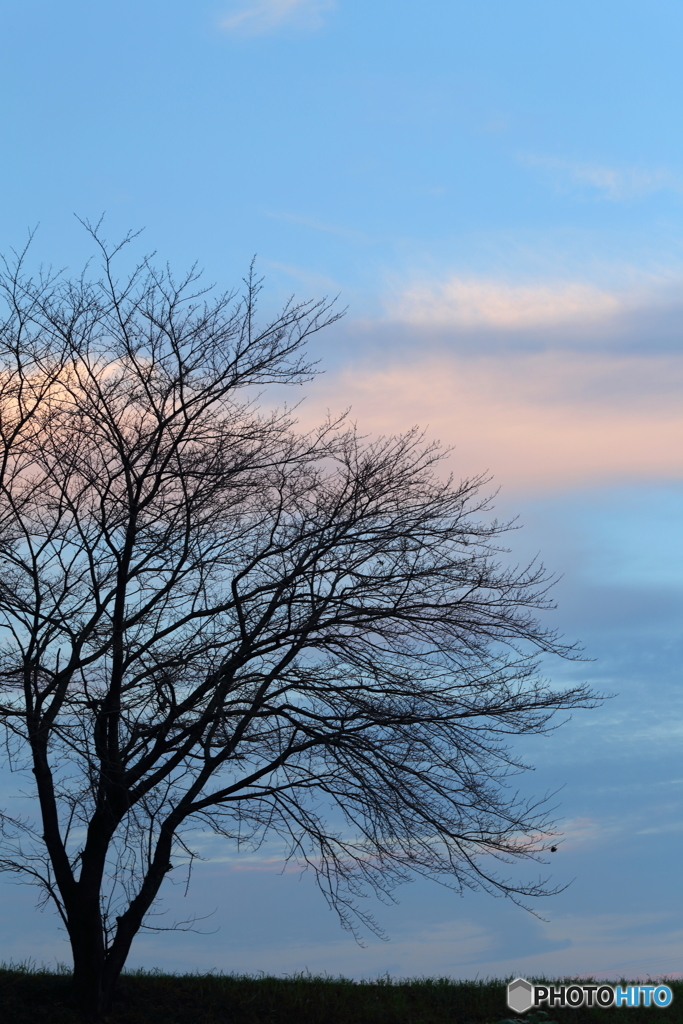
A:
{"points": [[260, 16], [615, 183], [479, 302]]}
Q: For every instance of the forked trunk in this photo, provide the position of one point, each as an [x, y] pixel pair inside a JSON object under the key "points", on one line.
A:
{"points": [[97, 968], [95, 972], [94, 983]]}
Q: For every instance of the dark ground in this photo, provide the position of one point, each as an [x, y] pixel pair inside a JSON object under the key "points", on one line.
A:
{"points": [[40, 997]]}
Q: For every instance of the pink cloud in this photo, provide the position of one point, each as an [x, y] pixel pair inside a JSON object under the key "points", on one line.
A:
{"points": [[550, 420]]}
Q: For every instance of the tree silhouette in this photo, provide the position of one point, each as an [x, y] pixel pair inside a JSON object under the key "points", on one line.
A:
{"points": [[211, 620]]}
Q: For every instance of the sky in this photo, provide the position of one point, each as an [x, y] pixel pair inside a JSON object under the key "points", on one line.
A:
{"points": [[495, 192]]}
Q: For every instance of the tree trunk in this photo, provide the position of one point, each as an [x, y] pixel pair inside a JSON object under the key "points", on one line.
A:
{"points": [[87, 947], [94, 983], [96, 968]]}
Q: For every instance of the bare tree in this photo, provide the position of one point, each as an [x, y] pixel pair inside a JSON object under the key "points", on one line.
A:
{"points": [[212, 621]]}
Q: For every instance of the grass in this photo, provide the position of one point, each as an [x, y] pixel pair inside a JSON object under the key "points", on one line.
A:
{"points": [[38, 996]]}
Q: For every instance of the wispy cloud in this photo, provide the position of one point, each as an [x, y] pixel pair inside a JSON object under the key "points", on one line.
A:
{"points": [[348, 234], [310, 278], [259, 16], [615, 183], [476, 302]]}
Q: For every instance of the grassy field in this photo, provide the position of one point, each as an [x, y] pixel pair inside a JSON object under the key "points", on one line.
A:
{"points": [[41, 997]]}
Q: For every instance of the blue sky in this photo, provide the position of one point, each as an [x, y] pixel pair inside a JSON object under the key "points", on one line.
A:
{"points": [[496, 192]]}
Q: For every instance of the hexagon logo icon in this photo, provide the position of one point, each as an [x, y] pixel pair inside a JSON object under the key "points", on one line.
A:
{"points": [[520, 995]]}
